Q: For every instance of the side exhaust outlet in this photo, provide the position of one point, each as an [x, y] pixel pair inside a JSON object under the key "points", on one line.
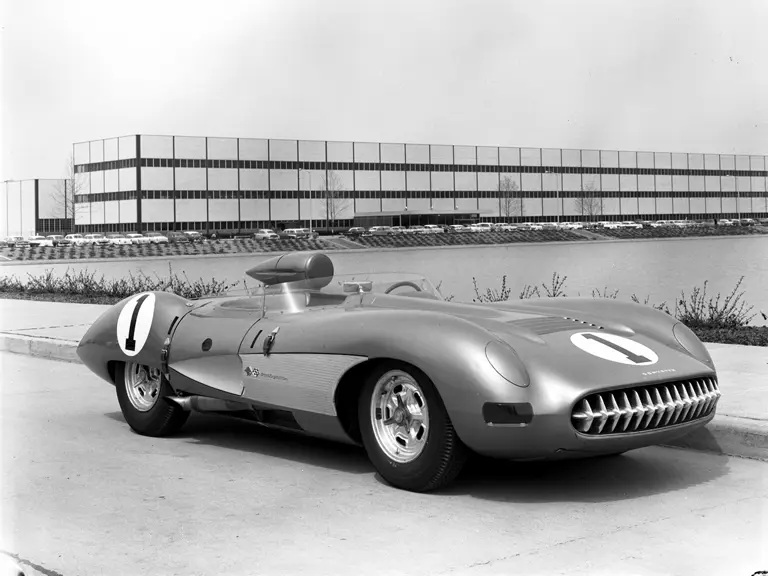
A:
{"points": [[205, 404]]}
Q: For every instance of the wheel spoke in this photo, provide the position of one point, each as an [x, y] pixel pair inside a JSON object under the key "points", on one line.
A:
{"points": [[142, 385], [403, 417]]}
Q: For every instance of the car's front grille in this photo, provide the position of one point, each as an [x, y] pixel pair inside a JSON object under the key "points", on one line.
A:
{"points": [[643, 408]]}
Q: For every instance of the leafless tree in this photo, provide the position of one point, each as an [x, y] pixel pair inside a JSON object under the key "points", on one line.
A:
{"points": [[333, 190], [510, 203], [589, 203], [66, 189]]}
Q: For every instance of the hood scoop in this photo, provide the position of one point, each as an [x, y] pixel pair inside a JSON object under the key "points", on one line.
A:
{"points": [[552, 324]]}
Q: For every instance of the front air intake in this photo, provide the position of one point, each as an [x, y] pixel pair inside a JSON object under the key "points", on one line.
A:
{"points": [[642, 408]]}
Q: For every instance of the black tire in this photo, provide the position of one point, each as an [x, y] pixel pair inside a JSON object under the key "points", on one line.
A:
{"points": [[443, 454], [163, 419]]}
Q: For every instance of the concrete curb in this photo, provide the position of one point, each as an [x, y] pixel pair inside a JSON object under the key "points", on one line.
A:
{"points": [[727, 435], [731, 436], [50, 348]]}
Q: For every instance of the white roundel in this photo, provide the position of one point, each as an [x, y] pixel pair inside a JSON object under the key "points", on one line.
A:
{"points": [[615, 348], [135, 322]]}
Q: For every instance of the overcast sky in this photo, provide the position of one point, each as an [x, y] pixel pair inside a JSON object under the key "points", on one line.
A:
{"points": [[680, 76]]}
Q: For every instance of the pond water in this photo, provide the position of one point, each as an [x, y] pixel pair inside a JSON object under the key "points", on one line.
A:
{"points": [[657, 269]]}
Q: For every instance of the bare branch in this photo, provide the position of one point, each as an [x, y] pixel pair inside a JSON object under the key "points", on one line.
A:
{"points": [[332, 188], [589, 203], [68, 188], [510, 203]]}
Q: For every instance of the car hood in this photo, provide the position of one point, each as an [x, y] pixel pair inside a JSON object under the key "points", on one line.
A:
{"points": [[550, 335]]}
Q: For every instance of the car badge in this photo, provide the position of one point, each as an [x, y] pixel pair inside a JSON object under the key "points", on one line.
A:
{"points": [[251, 371]]}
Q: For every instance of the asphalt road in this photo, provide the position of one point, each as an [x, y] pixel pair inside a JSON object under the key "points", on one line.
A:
{"points": [[83, 495]]}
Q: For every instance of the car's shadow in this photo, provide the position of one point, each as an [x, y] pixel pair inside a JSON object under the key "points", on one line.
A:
{"points": [[244, 436], [637, 473]]}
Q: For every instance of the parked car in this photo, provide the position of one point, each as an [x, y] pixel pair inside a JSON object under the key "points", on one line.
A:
{"points": [[747, 222], [175, 237], [194, 236], [631, 224], [59, 240], [355, 231], [385, 362], [265, 234], [17, 242], [433, 229], [137, 238], [310, 234], [40, 241], [76, 239], [380, 231], [398, 230], [481, 227], [96, 239], [458, 229], [156, 238], [117, 239]]}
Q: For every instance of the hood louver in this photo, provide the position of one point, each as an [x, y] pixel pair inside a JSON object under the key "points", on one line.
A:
{"points": [[552, 324]]}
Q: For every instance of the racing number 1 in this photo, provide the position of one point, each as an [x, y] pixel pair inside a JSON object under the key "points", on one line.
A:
{"points": [[636, 358], [130, 343]]}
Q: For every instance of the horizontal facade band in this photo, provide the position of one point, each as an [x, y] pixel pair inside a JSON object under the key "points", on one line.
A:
{"points": [[389, 194], [402, 167]]}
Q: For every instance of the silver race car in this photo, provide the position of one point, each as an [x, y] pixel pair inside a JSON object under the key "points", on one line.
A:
{"points": [[383, 360]]}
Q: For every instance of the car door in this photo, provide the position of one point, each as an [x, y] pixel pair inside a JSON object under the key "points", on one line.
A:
{"points": [[279, 371]]}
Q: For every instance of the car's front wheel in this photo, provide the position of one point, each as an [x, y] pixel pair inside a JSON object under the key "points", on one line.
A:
{"points": [[406, 429], [141, 392]]}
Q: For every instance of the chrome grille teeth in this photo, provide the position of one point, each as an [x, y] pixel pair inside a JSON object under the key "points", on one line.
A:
{"points": [[629, 413], [686, 401], [645, 407], [603, 413], [649, 409], [699, 409], [615, 413], [669, 407], [658, 408]]}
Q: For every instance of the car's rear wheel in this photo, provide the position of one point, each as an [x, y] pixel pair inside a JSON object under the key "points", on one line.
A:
{"points": [[141, 392], [406, 429]]}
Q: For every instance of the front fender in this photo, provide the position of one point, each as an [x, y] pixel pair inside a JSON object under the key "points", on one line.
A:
{"points": [[116, 336]]}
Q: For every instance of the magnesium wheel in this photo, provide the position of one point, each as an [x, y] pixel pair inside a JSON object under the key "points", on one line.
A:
{"points": [[406, 430], [141, 392]]}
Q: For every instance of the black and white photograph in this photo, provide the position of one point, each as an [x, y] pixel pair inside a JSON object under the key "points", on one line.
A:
{"points": [[383, 287]]}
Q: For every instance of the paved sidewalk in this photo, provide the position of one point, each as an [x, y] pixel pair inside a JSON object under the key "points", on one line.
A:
{"points": [[53, 330]]}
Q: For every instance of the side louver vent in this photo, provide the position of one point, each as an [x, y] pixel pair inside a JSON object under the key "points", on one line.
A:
{"points": [[646, 407], [552, 324]]}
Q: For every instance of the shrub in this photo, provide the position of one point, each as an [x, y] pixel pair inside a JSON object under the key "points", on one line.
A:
{"points": [[746, 336], [695, 311], [85, 284]]}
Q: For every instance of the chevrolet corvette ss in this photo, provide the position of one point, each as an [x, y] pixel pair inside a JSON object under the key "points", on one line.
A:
{"points": [[384, 361]]}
